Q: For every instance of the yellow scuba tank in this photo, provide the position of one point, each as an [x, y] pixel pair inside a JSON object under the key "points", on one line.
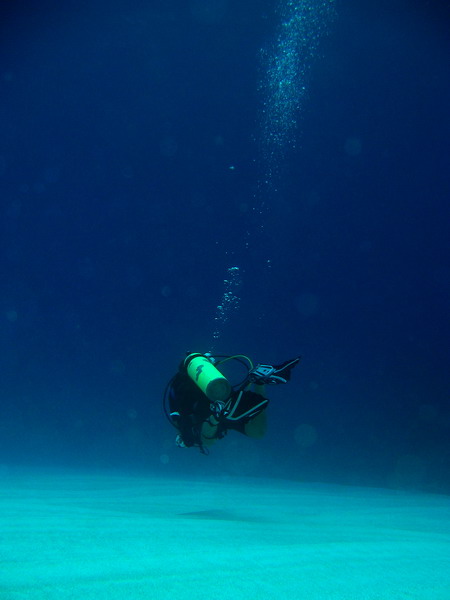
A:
{"points": [[209, 379]]}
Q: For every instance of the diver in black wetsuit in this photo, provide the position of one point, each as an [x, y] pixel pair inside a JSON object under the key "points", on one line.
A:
{"points": [[203, 406]]}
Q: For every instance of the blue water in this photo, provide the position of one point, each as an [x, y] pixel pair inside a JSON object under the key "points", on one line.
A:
{"points": [[136, 168]]}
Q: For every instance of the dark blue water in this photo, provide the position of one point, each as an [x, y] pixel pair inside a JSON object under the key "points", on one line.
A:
{"points": [[132, 177]]}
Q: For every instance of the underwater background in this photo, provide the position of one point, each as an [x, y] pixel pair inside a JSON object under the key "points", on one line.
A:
{"points": [[147, 148]]}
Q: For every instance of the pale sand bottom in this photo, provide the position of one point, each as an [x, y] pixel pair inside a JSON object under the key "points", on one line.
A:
{"points": [[85, 536]]}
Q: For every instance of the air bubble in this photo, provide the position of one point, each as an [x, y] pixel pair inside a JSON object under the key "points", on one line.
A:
{"points": [[230, 300], [303, 23]]}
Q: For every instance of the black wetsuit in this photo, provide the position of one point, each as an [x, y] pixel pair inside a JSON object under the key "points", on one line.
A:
{"points": [[193, 408]]}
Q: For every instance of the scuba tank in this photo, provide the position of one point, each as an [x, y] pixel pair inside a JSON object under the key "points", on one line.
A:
{"points": [[207, 377]]}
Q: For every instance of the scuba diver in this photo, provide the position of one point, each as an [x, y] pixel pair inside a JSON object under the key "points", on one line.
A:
{"points": [[201, 403]]}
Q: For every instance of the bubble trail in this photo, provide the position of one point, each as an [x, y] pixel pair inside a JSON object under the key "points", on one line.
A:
{"points": [[286, 64], [229, 302]]}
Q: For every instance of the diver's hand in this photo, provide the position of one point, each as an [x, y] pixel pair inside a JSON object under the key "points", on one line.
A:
{"points": [[179, 442], [271, 375]]}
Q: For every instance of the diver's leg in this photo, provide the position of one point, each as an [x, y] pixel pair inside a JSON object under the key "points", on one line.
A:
{"points": [[257, 427], [258, 389]]}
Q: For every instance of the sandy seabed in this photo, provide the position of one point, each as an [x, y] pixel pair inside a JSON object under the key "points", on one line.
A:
{"points": [[112, 537]]}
